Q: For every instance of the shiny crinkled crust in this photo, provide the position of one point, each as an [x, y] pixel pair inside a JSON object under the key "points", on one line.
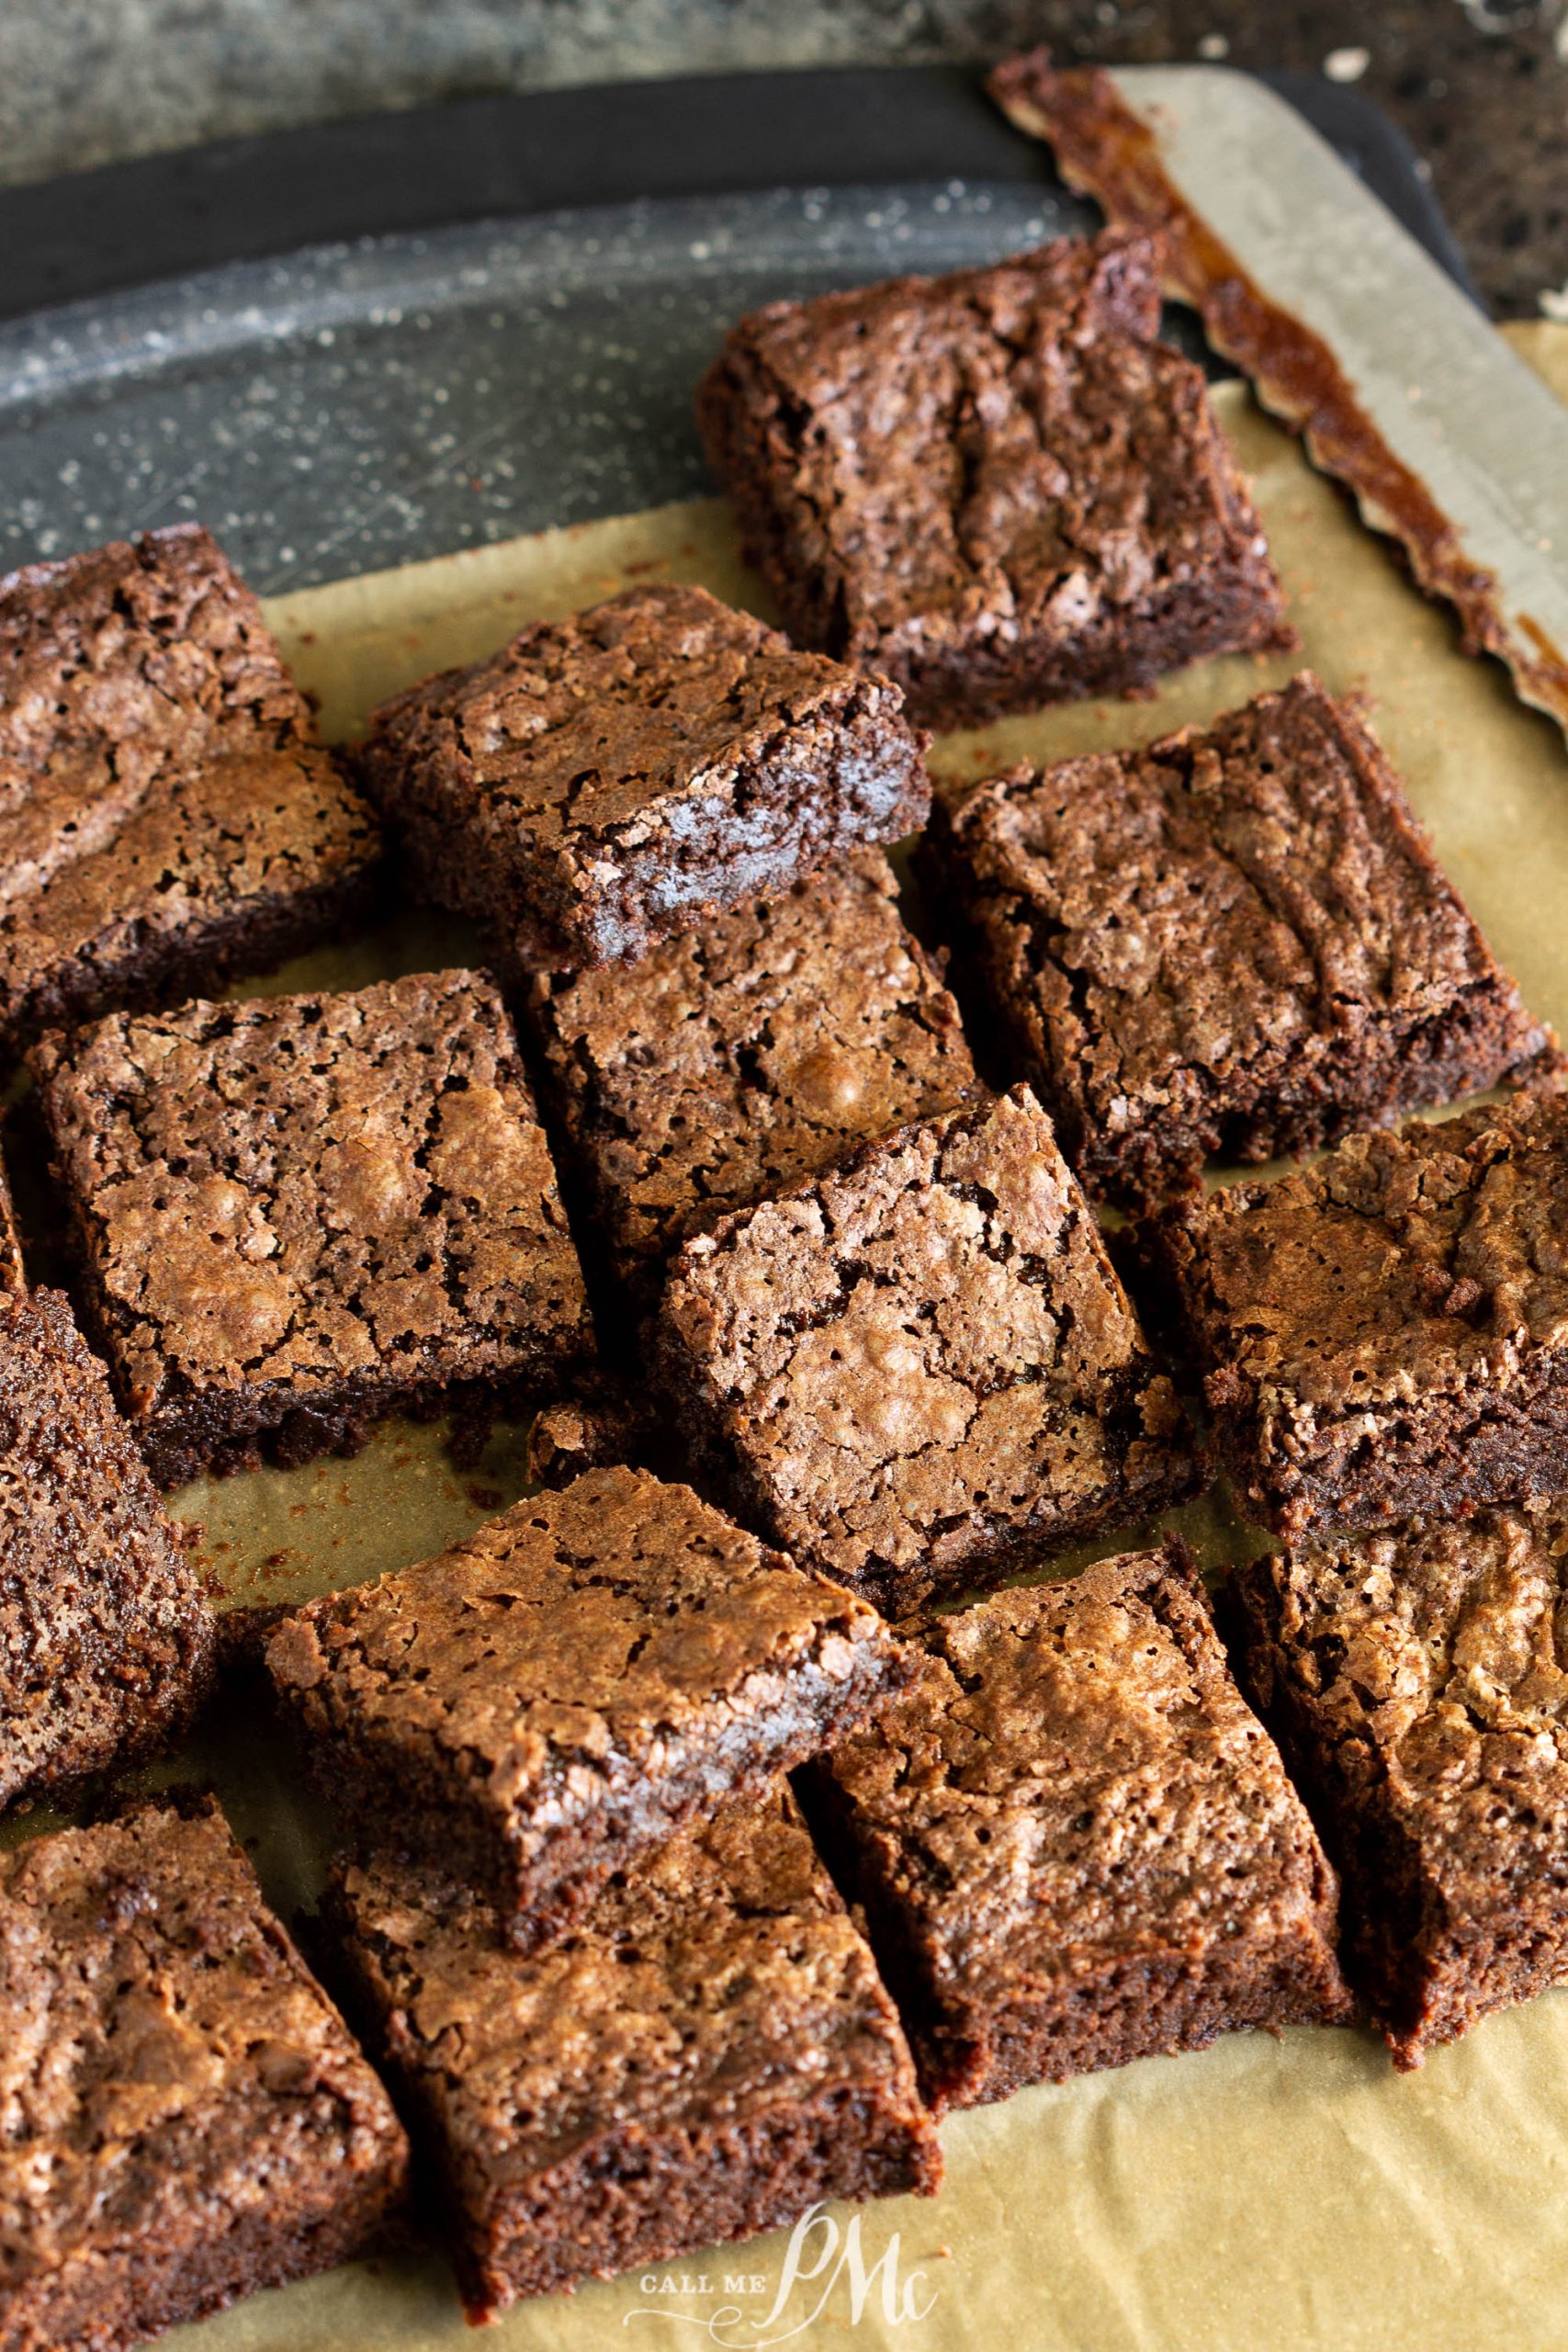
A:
{"points": [[574, 1682], [628, 773], [106, 1632], [329, 1206], [1076, 1843], [1235, 943], [1386, 1333], [170, 818], [743, 1056], [708, 2054], [995, 487], [1418, 1677], [921, 1364], [167, 2062]]}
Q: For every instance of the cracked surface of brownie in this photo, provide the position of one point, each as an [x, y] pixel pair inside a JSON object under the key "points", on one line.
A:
{"points": [[540, 1705], [1386, 1333], [1235, 941], [300, 1214], [1076, 1843], [709, 2054], [741, 1057], [628, 773], [187, 2118], [106, 1636], [997, 487], [1417, 1680], [919, 1367], [169, 818]]}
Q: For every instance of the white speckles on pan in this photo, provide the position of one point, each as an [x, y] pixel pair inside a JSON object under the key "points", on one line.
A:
{"points": [[352, 407]]}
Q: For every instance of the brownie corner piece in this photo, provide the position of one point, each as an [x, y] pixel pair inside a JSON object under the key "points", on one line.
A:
{"points": [[919, 1368], [106, 1637], [1099, 1857], [299, 1214], [1233, 941], [1381, 1334], [197, 2074], [733, 2059], [629, 772], [1413, 1676], [174, 819], [575, 1681], [998, 488]]}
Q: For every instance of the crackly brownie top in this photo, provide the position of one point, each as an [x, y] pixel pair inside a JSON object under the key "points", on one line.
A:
{"points": [[1074, 1776], [1398, 1269], [104, 1628], [921, 1339], [584, 725], [303, 1189], [160, 2042], [739, 1056], [1432, 1661], [569, 1644], [719, 1978], [1169, 921], [156, 759], [1004, 443]]}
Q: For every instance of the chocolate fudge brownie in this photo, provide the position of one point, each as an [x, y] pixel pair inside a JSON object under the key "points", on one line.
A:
{"points": [[1075, 1843], [1386, 1333], [579, 1678], [12, 1274], [300, 1214], [186, 2119], [740, 1057], [106, 1636], [919, 1367], [1235, 941], [170, 818], [614, 778], [1414, 1677], [710, 2054], [997, 488]]}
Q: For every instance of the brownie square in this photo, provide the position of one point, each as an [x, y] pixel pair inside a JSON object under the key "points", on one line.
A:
{"points": [[583, 1676], [709, 2056], [1234, 941], [188, 2119], [1413, 1679], [1383, 1334], [997, 488], [609, 779], [743, 1056], [170, 819], [920, 1367], [106, 1636], [300, 1214], [1076, 1844]]}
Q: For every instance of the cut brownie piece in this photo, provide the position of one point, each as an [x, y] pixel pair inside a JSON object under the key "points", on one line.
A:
{"points": [[612, 778], [1235, 941], [169, 817], [920, 1365], [1076, 1844], [744, 1056], [996, 487], [298, 1214], [580, 1677], [1415, 1680], [186, 2119], [1386, 1333], [709, 2056], [12, 1274], [105, 1636]]}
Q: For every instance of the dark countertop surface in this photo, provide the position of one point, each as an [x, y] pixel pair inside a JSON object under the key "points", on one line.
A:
{"points": [[1481, 86]]}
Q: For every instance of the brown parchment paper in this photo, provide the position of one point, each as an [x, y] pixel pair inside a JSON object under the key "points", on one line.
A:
{"points": [[1266, 2194]]}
